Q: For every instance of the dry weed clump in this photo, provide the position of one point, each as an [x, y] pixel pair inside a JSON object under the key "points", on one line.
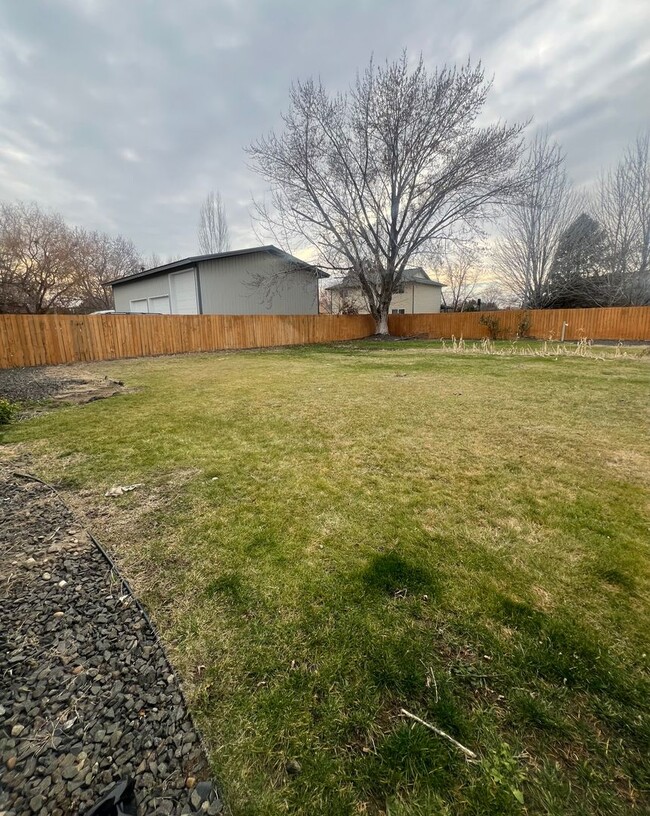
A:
{"points": [[548, 348]]}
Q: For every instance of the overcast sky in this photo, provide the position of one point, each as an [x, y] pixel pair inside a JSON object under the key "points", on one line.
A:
{"points": [[123, 114]]}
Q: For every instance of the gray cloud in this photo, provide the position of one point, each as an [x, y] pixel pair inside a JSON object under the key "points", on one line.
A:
{"points": [[123, 115]]}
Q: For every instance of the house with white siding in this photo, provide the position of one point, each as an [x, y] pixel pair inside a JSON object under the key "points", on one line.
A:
{"points": [[259, 280], [417, 293]]}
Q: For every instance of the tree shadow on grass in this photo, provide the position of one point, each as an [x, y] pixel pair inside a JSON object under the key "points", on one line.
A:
{"points": [[391, 573], [564, 652]]}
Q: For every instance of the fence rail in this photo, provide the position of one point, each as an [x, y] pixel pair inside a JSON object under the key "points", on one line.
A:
{"points": [[32, 340]]}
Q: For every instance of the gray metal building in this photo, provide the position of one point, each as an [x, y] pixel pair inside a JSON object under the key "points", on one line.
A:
{"points": [[260, 280]]}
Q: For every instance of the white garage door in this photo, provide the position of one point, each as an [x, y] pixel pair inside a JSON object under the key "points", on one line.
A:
{"points": [[160, 305], [183, 289], [139, 306]]}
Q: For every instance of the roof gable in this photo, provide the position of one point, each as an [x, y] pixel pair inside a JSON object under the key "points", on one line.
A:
{"points": [[415, 274]]}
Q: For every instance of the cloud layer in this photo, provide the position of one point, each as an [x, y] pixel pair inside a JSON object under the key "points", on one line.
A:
{"points": [[124, 115]]}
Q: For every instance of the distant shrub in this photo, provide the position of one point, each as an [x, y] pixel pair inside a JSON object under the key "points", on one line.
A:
{"points": [[524, 325], [492, 324], [7, 411]]}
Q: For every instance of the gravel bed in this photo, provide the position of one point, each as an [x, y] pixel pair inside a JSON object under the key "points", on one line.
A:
{"points": [[34, 384], [87, 696]]}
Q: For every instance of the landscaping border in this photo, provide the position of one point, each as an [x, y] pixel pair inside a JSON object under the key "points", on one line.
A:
{"points": [[89, 694]]}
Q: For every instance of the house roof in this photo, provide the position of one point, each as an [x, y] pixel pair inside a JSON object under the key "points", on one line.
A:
{"points": [[194, 259], [414, 274]]}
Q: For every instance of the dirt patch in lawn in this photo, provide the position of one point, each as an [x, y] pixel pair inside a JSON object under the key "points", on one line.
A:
{"points": [[52, 385]]}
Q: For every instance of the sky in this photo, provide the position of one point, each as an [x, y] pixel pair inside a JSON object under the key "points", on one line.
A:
{"points": [[123, 114]]}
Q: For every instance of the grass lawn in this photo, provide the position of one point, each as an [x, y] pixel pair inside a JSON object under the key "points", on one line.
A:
{"points": [[327, 535]]}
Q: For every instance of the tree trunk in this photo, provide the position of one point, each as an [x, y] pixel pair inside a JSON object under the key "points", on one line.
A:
{"points": [[381, 322]]}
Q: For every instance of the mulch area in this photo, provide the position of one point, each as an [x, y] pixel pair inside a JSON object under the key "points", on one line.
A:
{"points": [[87, 696]]}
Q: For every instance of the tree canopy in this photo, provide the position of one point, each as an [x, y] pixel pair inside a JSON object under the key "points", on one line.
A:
{"points": [[48, 266], [373, 177], [577, 272]]}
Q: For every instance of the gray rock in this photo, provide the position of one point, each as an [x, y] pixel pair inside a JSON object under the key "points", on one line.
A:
{"points": [[36, 803], [116, 736], [93, 682]]}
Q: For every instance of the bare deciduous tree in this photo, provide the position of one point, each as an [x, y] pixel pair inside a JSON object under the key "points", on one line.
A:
{"points": [[213, 226], [98, 258], [154, 259], [624, 211], [459, 268], [493, 297], [534, 224], [36, 250], [549, 254], [47, 266], [371, 177]]}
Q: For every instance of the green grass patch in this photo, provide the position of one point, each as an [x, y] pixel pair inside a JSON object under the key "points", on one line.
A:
{"points": [[329, 534]]}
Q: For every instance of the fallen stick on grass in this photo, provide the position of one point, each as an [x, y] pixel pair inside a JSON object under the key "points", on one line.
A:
{"points": [[439, 732]]}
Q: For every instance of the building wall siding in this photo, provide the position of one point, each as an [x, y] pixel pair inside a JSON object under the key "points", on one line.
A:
{"points": [[403, 300], [259, 283], [155, 286], [415, 299], [350, 298], [427, 299]]}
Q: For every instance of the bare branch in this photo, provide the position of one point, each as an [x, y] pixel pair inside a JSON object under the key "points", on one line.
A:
{"points": [[623, 208], [457, 265], [469, 754], [47, 266], [370, 178], [534, 224], [213, 226]]}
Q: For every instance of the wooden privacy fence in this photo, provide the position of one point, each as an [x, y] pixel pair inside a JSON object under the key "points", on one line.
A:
{"points": [[31, 340], [620, 323]]}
